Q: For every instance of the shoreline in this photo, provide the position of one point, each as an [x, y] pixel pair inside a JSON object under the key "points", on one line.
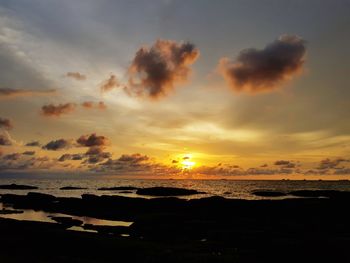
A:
{"points": [[170, 229]]}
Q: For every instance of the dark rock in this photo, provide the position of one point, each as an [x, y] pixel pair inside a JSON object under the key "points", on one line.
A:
{"points": [[268, 193], [17, 187], [115, 230], [10, 211], [29, 201], [67, 221], [321, 193], [117, 188], [166, 191], [39, 197], [72, 188]]}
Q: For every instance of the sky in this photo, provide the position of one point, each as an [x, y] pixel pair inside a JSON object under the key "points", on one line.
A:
{"points": [[179, 89]]}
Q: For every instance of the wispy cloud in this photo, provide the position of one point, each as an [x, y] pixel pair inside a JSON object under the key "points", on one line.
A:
{"points": [[13, 93]]}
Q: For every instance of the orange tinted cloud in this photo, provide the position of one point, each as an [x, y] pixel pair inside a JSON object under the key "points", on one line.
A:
{"points": [[88, 104], [111, 83], [156, 70], [51, 110], [264, 70], [91, 105], [76, 76]]}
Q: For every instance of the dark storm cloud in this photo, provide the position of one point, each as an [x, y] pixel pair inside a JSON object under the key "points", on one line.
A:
{"points": [[33, 144], [76, 76], [156, 70], [256, 71], [5, 124], [57, 145], [4, 140], [111, 83], [9, 93], [93, 140], [51, 110]]}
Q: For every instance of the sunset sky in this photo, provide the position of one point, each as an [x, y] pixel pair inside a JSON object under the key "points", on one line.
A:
{"points": [[180, 89]]}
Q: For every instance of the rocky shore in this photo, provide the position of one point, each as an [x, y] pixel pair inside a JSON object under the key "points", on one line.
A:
{"points": [[177, 230]]}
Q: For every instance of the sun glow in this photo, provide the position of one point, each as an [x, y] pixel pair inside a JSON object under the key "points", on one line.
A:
{"points": [[187, 163]]}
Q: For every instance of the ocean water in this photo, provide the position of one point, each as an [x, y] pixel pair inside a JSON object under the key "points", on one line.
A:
{"points": [[241, 189]]}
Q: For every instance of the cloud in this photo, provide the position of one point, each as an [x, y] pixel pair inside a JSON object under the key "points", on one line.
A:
{"points": [[33, 144], [156, 70], [93, 140], [29, 153], [111, 83], [331, 164], [342, 171], [57, 145], [88, 104], [10, 93], [74, 157], [51, 110], [4, 140], [64, 157], [101, 105], [5, 124], [135, 164], [91, 105], [234, 170], [282, 162], [133, 158], [264, 70], [76, 76], [12, 156]]}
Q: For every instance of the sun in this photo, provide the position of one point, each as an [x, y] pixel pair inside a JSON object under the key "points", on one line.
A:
{"points": [[187, 163]]}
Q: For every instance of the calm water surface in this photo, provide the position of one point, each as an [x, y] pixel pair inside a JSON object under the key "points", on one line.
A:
{"points": [[226, 188]]}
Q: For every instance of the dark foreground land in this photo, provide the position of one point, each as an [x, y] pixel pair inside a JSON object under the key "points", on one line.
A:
{"points": [[175, 230]]}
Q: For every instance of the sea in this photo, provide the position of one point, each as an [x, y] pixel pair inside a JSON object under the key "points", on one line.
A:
{"points": [[238, 189]]}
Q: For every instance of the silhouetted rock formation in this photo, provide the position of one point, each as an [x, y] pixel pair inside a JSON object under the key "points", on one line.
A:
{"points": [[17, 187], [5, 211], [268, 193], [115, 230], [166, 191], [321, 193], [170, 229], [72, 188], [67, 221], [117, 188]]}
